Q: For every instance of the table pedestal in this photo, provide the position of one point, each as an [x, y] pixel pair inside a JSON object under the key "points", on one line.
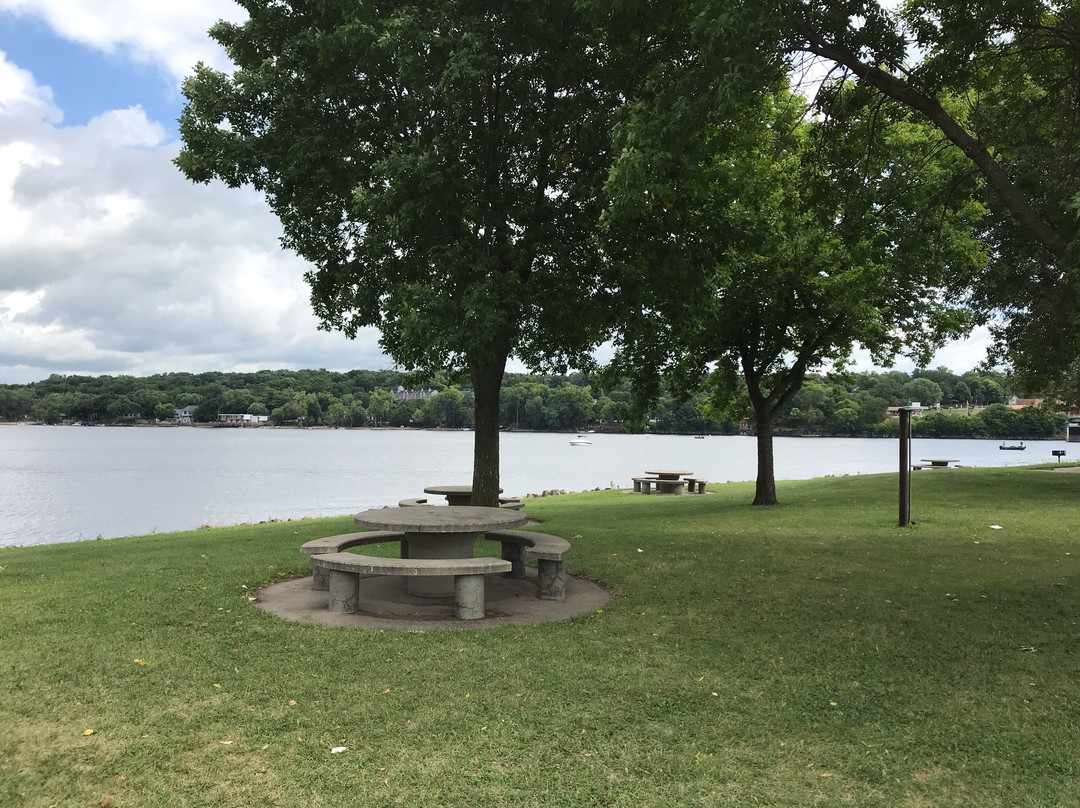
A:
{"points": [[437, 545], [670, 486]]}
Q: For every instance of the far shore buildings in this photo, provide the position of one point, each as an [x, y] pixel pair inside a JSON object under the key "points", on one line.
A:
{"points": [[186, 416], [240, 419], [1013, 403], [401, 394]]}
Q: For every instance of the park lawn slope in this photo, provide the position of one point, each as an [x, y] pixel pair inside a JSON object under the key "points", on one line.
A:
{"points": [[807, 654]]}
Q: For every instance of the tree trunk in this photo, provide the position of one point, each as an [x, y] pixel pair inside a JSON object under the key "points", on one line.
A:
{"points": [[765, 488], [487, 383]]}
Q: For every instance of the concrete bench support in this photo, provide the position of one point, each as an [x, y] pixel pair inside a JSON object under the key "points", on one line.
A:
{"points": [[469, 597], [696, 485], [643, 485], [550, 580], [549, 551], [344, 591], [320, 579], [345, 571]]}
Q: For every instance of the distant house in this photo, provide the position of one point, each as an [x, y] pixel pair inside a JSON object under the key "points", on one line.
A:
{"points": [[185, 415], [401, 394], [1020, 403], [240, 419]]}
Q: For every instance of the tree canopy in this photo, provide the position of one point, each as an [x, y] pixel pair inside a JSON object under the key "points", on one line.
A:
{"points": [[440, 165], [997, 79], [786, 242]]}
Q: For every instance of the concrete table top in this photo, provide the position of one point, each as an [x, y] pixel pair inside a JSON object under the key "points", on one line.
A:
{"points": [[668, 474], [432, 519]]}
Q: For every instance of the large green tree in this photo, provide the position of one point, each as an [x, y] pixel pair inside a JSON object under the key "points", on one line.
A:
{"points": [[997, 78], [440, 165], [774, 243]]}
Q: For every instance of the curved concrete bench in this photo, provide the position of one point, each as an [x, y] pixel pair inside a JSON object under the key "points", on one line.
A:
{"points": [[696, 485], [513, 503], [335, 544], [345, 570], [411, 503], [643, 485], [549, 551]]}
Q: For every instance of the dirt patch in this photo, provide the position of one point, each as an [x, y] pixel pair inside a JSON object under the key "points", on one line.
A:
{"points": [[385, 604]]}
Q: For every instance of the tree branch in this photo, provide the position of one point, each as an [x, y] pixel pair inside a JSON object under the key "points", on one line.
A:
{"points": [[898, 89]]}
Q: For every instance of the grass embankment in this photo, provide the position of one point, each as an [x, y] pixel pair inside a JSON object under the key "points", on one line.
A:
{"points": [[809, 654]]}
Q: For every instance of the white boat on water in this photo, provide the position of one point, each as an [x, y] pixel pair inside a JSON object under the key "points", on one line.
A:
{"points": [[581, 440]]}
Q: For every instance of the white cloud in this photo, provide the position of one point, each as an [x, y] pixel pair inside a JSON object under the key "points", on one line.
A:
{"points": [[959, 356], [168, 35], [18, 91], [112, 262]]}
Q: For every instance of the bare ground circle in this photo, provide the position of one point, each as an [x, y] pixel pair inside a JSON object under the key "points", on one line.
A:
{"points": [[384, 604]]}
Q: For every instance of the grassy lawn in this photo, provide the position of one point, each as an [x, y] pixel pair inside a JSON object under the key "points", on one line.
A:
{"points": [[809, 654]]}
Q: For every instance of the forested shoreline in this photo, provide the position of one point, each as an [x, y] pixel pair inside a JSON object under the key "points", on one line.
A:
{"points": [[969, 405]]}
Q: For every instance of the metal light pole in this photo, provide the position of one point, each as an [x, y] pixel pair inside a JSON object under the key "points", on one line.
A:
{"points": [[905, 466]]}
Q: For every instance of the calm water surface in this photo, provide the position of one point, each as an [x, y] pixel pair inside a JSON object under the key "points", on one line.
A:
{"points": [[62, 484]]}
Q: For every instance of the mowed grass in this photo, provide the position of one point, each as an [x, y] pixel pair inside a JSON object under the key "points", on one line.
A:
{"points": [[808, 654]]}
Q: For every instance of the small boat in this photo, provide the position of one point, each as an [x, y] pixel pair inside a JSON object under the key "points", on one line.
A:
{"points": [[581, 440], [699, 437], [1016, 447]]}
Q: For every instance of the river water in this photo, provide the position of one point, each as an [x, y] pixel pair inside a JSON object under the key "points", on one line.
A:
{"points": [[60, 484]]}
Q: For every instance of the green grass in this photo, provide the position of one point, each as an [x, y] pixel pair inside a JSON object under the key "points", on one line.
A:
{"points": [[808, 654]]}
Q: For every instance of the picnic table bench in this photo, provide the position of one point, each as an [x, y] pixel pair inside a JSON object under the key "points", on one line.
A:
{"points": [[643, 485], [550, 553], [344, 571], [696, 484], [338, 544]]}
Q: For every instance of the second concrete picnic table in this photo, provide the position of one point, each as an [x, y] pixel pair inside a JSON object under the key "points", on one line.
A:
{"points": [[938, 462], [433, 532], [667, 480], [456, 495]]}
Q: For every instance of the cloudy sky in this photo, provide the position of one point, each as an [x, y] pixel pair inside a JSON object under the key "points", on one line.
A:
{"points": [[110, 260]]}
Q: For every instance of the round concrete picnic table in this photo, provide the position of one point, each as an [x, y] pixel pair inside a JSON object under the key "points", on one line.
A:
{"points": [[938, 462], [667, 480], [456, 495], [434, 532]]}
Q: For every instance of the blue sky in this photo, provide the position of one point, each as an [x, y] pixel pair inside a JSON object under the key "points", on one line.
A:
{"points": [[87, 81], [112, 262]]}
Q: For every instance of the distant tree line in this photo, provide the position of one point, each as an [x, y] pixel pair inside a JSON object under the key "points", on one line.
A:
{"points": [[971, 404]]}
